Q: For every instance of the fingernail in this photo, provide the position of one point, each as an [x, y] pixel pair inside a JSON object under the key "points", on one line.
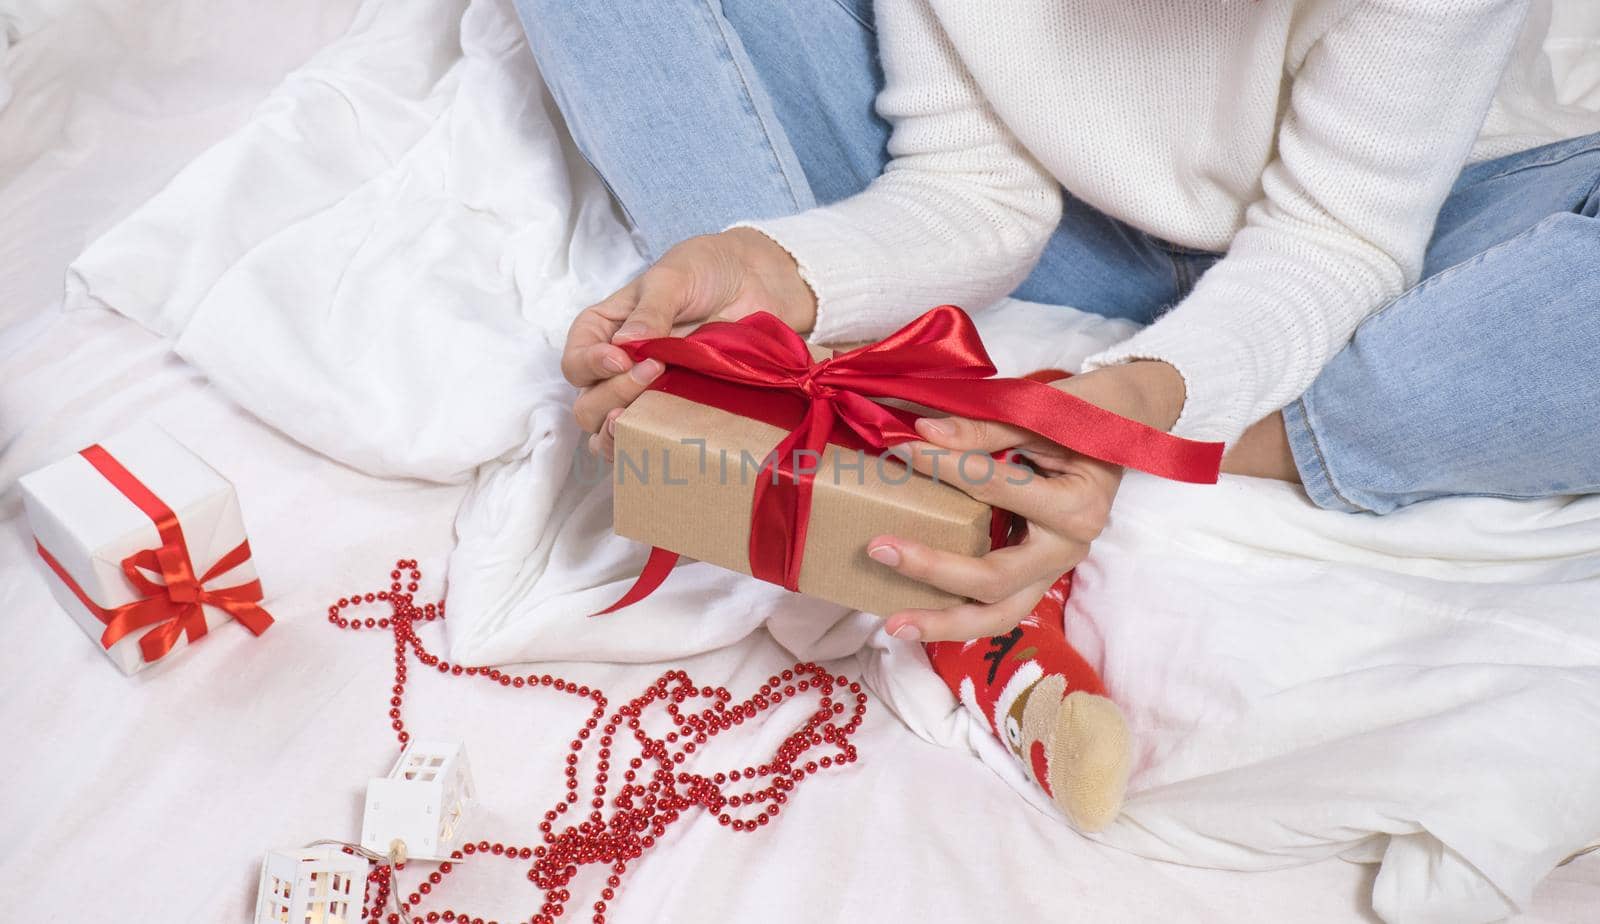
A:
{"points": [[936, 427], [907, 633], [611, 422], [631, 331], [884, 555], [646, 372], [612, 364]]}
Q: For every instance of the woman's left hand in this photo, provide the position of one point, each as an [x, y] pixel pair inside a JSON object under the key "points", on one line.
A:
{"points": [[1065, 497]]}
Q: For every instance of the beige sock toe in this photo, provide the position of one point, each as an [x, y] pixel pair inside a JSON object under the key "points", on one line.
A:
{"points": [[1089, 752]]}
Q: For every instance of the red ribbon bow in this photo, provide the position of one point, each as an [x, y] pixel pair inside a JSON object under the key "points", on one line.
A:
{"points": [[174, 604], [937, 361]]}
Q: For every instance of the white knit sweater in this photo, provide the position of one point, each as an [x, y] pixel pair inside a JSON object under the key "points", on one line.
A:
{"points": [[1313, 140]]}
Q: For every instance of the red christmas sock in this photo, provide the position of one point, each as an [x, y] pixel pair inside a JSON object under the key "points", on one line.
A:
{"points": [[1048, 706]]}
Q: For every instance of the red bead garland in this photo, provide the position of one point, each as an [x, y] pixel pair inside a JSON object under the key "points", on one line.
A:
{"points": [[656, 789]]}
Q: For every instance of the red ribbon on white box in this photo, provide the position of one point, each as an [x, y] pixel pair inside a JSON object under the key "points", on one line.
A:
{"points": [[173, 606]]}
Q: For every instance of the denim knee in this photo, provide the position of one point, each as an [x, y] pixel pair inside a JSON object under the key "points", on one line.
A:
{"points": [[1479, 381], [664, 102]]}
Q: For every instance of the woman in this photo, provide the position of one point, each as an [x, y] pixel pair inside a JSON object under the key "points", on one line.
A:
{"points": [[1275, 187]]}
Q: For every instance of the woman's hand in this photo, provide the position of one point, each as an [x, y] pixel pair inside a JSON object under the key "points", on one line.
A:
{"points": [[1065, 497], [726, 275]]}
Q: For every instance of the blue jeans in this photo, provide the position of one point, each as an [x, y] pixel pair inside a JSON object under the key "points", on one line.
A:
{"points": [[1482, 379]]}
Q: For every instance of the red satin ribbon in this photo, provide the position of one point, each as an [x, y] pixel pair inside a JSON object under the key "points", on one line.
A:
{"points": [[174, 605], [759, 367]]}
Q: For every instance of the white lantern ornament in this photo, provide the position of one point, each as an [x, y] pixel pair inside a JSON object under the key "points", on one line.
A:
{"points": [[419, 806], [315, 885]]}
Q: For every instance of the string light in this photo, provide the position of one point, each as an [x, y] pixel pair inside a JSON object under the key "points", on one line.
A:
{"points": [[656, 788]]}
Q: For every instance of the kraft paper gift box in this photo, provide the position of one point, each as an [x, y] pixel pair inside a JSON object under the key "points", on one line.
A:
{"points": [[684, 481], [143, 544]]}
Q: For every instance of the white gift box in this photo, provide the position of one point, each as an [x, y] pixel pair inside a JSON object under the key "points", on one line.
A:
{"points": [[89, 527]]}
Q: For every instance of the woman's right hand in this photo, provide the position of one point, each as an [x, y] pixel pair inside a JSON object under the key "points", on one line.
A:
{"points": [[726, 275]]}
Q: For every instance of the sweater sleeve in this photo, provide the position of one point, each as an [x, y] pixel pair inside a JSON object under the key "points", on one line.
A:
{"points": [[959, 216], [1381, 116]]}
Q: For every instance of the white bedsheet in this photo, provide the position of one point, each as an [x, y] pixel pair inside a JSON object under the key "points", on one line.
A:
{"points": [[400, 233]]}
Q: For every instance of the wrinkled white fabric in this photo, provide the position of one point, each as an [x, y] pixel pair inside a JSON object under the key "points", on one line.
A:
{"points": [[403, 202], [382, 261], [17, 19], [1552, 87]]}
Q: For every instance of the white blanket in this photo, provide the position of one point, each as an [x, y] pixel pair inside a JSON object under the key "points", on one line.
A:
{"points": [[381, 263]]}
